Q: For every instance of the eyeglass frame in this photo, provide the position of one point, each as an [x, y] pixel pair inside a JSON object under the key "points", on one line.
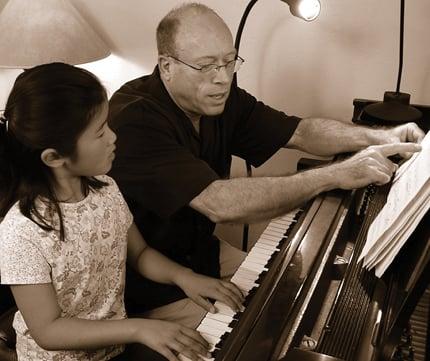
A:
{"points": [[213, 66]]}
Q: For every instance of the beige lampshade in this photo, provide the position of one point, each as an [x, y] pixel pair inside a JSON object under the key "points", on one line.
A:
{"points": [[34, 32]]}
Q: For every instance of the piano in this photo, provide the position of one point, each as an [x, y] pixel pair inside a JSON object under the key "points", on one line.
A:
{"points": [[308, 299]]}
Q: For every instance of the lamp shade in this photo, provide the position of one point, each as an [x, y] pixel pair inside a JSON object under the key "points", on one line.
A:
{"points": [[305, 9], [43, 31]]}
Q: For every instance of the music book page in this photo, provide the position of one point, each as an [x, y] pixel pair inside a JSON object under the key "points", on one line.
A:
{"points": [[407, 203]]}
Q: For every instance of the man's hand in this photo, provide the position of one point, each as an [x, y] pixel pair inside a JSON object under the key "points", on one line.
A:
{"points": [[371, 165], [199, 287], [169, 339], [409, 132]]}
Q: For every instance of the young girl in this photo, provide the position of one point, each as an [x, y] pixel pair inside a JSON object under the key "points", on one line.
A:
{"points": [[67, 231]]}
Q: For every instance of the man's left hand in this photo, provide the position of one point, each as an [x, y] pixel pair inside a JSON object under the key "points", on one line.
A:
{"points": [[409, 132]]}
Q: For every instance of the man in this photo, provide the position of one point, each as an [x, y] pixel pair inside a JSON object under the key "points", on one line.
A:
{"points": [[177, 130]]}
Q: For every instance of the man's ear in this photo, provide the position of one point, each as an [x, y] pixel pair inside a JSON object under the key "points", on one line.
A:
{"points": [[165, 66], [51, 158]]}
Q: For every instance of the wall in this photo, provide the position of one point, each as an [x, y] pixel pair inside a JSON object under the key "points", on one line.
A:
{"points": [[306, 69]]}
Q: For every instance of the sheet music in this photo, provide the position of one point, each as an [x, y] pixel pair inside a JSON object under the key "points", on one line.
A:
{"points": [[407, 202]]}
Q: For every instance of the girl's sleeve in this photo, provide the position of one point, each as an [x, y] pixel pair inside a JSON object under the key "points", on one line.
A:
{"points": [[120, 202], [21, 262]]}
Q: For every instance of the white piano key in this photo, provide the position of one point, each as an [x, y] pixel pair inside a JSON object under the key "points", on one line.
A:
{"points": [[275, 227], [248, 272], [269, 242], [262, 245], [257, 249], [269, 237], [285, 221], [220, 317], [256, 254], [290, 217], [216, 324], [260, 251], [254, 266], [209, 330], [251, 275], [240, 277], [259, 257], [256, 260], [212, 340], [276, 233], [265, 246]]}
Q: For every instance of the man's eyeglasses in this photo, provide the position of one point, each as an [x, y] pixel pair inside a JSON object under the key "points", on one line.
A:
{"points": [[231, 67]]}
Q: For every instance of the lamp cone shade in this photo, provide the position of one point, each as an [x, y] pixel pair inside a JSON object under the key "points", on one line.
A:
{"points": [[34, 32]]}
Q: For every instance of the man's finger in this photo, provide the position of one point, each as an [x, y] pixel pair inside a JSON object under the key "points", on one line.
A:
{"points": [[414, 133], [398, 148]]}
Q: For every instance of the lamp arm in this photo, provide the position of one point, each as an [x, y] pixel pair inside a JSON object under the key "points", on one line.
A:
{"points": [[242, 23], [240, 30], [402, 26], [248, 165]]}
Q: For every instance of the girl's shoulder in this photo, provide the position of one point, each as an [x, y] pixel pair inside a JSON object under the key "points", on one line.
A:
{"points": [[15, 227], [108, 180], [16, 221]]}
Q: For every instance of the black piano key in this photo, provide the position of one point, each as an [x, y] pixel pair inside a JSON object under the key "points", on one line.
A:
{"points": [[283, 240], [250, 295], [215, 352], [260, 278], [222, 340], [233, 323]]}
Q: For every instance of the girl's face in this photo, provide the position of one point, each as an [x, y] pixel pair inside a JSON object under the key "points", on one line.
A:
{"points": [[95, 147]]}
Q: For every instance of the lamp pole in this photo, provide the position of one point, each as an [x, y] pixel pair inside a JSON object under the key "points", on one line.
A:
{"points": [[240, 30], [248, 165], [395, 108], [313, 12]]}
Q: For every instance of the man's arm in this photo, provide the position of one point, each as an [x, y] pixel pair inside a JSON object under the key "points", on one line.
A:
{"points": [[255, 199], [326, 137]]}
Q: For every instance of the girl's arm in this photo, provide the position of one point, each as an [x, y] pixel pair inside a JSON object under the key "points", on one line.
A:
{"points": [[156, 267], [39, 307]]}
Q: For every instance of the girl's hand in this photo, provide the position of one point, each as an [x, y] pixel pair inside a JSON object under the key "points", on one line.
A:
{"points": [[169, 339], [199, 287]]}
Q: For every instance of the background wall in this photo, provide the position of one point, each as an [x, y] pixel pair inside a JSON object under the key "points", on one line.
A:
{"points": [[306, 69]]}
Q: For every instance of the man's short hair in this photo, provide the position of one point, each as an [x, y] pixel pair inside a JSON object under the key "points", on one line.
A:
{"points": [[169, 25]]}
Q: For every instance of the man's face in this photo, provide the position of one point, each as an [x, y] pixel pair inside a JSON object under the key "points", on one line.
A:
{"points": [[201, 41]]}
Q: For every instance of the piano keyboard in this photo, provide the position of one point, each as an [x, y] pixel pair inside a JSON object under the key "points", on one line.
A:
{"points": [[215, 328]]}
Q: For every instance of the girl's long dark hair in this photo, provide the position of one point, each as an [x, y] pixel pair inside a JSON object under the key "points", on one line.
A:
{"points": [[49, 106]]}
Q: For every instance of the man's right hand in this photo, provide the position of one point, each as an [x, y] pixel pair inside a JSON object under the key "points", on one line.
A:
{"points": [[371, 165], [169, 339]]}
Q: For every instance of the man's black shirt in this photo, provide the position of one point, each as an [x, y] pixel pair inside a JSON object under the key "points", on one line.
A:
{"points": [[162, 163]]}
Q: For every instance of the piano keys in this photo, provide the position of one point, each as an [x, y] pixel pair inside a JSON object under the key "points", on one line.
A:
{"points": [[215, 328]]}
